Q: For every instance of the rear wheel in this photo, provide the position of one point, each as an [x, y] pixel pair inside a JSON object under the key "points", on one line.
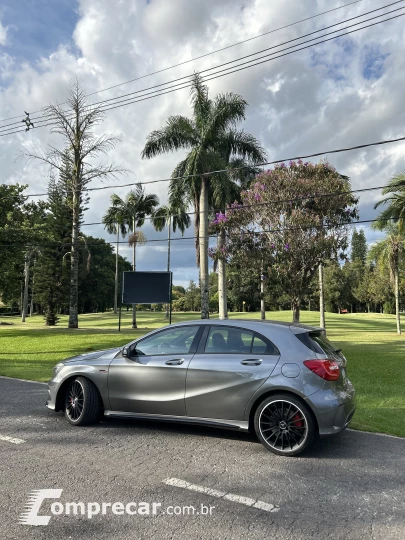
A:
{"points": [[82, 402], [285, 425]]}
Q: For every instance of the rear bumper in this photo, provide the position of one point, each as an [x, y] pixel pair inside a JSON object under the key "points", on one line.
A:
{"points": [[333, 409]]}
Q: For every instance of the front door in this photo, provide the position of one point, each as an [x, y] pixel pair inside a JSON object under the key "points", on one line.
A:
{"points": [[152, 379]]}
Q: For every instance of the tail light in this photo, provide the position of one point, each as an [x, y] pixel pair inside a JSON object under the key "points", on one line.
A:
{"points": [[326, 369]]}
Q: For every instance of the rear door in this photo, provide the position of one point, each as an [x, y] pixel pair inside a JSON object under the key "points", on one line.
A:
{"points": [[231, 363]]}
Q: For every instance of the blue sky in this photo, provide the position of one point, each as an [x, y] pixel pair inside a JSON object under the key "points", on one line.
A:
{"points": [[36, 28]]}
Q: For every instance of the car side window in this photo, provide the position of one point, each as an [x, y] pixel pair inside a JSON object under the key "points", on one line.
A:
{"points": [[262, 346], [228, 340], [172, 341]]}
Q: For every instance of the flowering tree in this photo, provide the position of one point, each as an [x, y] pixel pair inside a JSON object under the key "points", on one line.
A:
{"points": [[292, 218]]}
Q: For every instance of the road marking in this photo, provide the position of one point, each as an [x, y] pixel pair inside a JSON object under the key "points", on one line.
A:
{"points": [[12, 440], [247, 501], [374, 433], [21, 380]]}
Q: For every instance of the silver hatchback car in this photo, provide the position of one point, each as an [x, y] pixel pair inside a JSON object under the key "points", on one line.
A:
{"points": [[285, 382]]}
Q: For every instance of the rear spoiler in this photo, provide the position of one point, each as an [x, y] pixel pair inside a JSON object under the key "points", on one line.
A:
{"points": [[303, 328]]}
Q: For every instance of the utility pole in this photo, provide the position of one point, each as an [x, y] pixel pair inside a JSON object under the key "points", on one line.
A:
{"points": [[32, 289], [168, 257], [321, 298]]}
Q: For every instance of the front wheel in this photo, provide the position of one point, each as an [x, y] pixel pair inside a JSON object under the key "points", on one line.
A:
{"points": [[82, 402], [284, 425]]}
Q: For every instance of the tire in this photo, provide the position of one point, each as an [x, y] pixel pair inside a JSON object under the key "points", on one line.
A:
{"points": [[285, 425], [82, 402]]}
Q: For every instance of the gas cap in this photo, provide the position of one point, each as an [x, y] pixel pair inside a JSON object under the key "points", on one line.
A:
{"points": [[290, 370]]}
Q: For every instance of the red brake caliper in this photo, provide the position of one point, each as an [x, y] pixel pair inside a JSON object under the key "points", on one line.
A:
{"points": [[297, 420]]}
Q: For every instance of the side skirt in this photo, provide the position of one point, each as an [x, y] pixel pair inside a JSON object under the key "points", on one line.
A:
{"points": [[213, 422]]}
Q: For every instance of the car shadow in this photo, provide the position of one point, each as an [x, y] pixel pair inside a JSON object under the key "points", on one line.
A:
{"points": [[338, 445]]}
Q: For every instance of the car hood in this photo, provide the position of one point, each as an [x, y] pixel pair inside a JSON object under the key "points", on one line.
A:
{"points": [[89, 357]]}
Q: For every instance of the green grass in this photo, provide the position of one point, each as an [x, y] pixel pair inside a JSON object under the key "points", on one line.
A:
{"points": [[375, 353]]}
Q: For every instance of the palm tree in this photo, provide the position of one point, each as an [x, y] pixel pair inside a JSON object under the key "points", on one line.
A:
{"points": [[211, 139], [114, 224], [127, 215], [395, 202], [390, 251], [175, 217]]}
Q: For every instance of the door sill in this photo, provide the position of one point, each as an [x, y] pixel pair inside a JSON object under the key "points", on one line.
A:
{"points": [[214, 422]]}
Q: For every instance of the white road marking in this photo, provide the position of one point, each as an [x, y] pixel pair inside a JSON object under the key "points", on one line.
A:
{"points": [[247, 501], [12, 440], [374, 433], [21, 380]]}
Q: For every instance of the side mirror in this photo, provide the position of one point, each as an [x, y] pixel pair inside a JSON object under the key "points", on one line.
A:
{"points": [[125, 352]]}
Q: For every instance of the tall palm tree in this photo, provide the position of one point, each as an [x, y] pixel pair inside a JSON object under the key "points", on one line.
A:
{"points": [[130, 214], [114, 224], [390, 251], [175, 217], [211, 139]]}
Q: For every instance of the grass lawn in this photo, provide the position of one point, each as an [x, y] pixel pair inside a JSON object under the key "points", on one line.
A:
{"points": [[376, 363]]}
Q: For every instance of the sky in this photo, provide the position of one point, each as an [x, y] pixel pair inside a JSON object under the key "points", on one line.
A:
{"points": [[342, 93]]}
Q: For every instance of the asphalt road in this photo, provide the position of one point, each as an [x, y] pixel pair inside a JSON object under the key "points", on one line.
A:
{"points": [[351, 486]]}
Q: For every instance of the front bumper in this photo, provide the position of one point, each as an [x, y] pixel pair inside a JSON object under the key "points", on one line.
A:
{"points": [[333, 409], [53, 387]]}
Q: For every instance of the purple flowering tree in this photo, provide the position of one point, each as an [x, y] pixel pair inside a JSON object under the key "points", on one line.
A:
{"points": [[292, 218]]}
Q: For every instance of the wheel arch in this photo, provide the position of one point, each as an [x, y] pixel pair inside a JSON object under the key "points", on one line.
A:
{"points": [[59, 401], [273, 392]]}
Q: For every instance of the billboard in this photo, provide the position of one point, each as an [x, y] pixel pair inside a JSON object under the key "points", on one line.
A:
{"points": [[146, 287]]}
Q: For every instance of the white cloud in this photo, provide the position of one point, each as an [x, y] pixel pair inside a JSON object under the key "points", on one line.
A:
{"points": [[3, 34], [314, 100]]}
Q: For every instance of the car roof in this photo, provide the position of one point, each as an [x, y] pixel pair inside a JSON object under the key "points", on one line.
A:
{"points": [[295, 327]]}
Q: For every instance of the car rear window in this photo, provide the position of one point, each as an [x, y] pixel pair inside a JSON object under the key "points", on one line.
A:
{"points": [[318, 343]]}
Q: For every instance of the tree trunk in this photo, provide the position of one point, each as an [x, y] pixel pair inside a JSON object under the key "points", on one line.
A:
{"points": [[321, 298], [26, 282], [295, 305], [397, 314], [168, 258], [222, 292], [203, 237], [74, 262], [134, 269], [262, 306], [116, 272]]}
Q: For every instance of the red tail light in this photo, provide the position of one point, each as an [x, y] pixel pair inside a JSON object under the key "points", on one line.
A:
{"points": [[326, 369]]}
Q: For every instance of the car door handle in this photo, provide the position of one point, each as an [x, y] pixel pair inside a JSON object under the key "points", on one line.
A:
{"points": [[252, 362], [176, 362]]}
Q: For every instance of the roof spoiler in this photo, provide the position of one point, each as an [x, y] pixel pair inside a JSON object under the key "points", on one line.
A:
{"points": [[303, 328]]}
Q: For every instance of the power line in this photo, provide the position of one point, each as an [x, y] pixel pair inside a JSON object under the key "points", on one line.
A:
{"points": [[205, 55], [236, 60], [244, 206], [263, 164], [298, 228], [119, 101], [130, 102], [216, 76]]}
